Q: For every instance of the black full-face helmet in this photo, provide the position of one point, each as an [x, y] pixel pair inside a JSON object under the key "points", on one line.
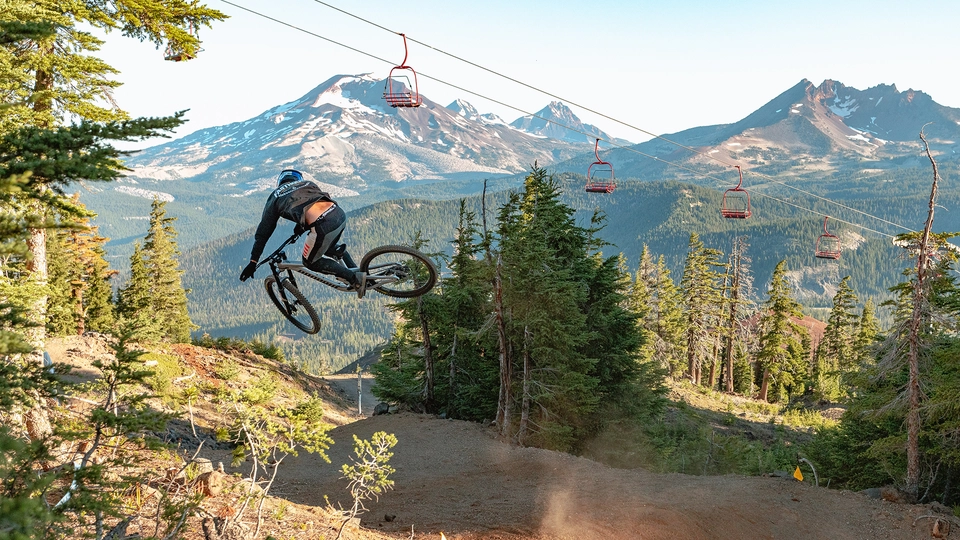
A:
{"points": [[288, 175]]}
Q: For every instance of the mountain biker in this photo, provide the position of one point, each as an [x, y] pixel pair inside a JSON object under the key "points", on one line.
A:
{"points": [[311, 208]]}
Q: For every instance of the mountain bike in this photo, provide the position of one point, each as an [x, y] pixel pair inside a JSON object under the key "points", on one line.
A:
{"points": [[397, 271]]}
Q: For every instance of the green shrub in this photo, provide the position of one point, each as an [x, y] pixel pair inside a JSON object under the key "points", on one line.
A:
{"points": [[263, 390], [268, 350], [806, 418], [167, 369], [227, 369]]}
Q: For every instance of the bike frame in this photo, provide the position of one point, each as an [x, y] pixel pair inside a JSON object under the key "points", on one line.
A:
{"points": [[278, 264]]}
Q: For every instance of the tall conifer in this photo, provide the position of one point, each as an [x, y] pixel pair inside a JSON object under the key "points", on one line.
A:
{"points": [[780, 359], [868, 329], [168, 298], [836, 355], [79, 276], [702, 299], [671, 345], [134, 302], [50, 78]]}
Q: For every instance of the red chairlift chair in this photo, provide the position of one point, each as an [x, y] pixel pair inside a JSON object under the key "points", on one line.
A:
{"points": [[176, 54], [828, 245], [400, 90], [600, 177], [736, 201]]}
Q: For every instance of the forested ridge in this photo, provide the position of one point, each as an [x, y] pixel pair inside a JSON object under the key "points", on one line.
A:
{"points": [[659, 215]]}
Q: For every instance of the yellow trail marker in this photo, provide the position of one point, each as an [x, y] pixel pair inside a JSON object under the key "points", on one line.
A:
{"points": [[798, 475]]}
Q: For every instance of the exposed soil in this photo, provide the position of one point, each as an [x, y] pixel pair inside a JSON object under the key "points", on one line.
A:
{"points": [[457, 478]]}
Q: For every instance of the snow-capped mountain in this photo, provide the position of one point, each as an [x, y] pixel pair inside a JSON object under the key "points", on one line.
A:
{"points": [[344, 134], [552, 122], [470, 112], [824, 128]]}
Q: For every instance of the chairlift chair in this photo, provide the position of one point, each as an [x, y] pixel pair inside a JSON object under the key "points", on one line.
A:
{"points": [[736, 201], [400, 88], [600, 178], [828, 245]]}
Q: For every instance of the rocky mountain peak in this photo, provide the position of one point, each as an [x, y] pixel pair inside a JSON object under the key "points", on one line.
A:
{"points": [[345, 134], [464, 109]]}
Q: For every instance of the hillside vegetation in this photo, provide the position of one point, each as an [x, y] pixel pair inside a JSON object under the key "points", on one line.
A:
{"points": [[659, 215], [701, 432]]}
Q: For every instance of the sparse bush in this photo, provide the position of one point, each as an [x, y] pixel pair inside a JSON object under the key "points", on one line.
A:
{"points": [[369, 474], [806, 418], [167, 369], [263, 390], [227, 369], [223, 343], [265, 436]]}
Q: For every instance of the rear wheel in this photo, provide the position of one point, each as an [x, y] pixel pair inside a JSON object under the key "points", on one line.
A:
{"points": [[399, 271], [291, 302]]}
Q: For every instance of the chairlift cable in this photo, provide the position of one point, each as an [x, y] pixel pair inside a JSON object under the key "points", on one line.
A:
{"points": [[574, 130], [608, 117]]}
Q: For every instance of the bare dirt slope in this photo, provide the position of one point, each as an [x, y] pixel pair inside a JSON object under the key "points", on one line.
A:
{"points": [[455, 477]]}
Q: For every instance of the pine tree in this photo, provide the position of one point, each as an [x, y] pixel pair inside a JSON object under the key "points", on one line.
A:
{"points": [[671, 343], [615, 338], [835, 358], [38, 158], [135, 299], [61, 317], [541, 249], [780, 358], [472, 372], [868, 329], [79, 275], [702, 300], [168, 298], [738, 306], [99, 309], [641, 302], [50, 78], [838, 337]]}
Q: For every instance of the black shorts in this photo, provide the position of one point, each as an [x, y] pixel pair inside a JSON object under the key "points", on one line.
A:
{"points": [[324, 234]]}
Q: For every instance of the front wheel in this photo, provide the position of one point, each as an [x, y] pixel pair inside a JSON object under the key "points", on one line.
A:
{"points": [[398, 271], [291, 302]]}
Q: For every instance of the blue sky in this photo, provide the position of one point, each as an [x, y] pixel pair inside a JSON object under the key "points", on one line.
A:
{"points": [[662, 66]]}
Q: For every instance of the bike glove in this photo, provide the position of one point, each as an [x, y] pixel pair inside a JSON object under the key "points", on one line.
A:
{"points": [[248, 271], [299, 229]]}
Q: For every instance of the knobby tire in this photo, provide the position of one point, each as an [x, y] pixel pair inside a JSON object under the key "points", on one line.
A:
{"points": [[289, 308], [423, 282]]}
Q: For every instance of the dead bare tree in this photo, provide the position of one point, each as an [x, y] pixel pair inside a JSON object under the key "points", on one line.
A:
{"points": [[504, 403], [920, 297]]}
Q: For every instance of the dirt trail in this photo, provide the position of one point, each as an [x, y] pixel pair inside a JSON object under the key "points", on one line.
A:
{"points": [[455, 477], [346, 385]]}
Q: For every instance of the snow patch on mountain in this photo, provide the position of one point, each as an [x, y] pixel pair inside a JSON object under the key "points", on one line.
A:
{"points": [[337, 99], [144, 193], [845, 108]]}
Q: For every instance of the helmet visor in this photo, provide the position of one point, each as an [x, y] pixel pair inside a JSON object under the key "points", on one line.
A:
{"points": [[289, 175]]}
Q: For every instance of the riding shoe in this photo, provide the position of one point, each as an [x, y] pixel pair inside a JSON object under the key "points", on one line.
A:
{"points": [[340, 253], [361, 284]]}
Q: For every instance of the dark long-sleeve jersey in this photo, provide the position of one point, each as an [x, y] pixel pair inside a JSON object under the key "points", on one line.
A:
{"points": [[287, 201]]}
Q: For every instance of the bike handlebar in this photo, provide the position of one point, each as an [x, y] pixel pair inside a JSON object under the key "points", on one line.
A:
{"points": [[279, 250]]}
